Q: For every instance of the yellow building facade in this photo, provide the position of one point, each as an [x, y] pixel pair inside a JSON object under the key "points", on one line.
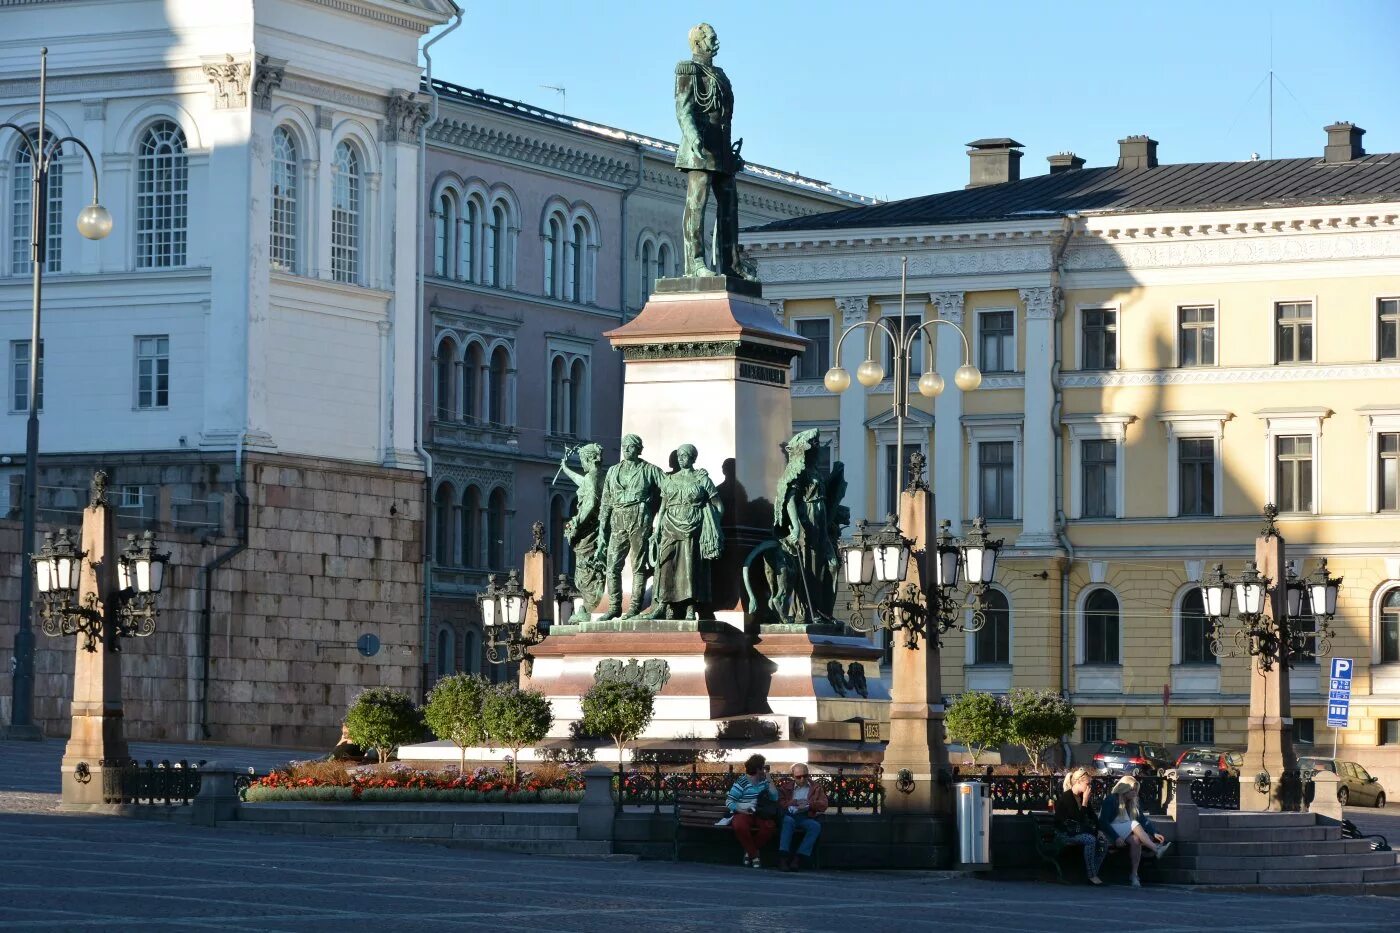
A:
{"points": [[1165, 349]]}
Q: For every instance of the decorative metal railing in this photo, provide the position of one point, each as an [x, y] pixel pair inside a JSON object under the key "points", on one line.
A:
{"points": [[846, 789], [126, 780], [1026, 793]]}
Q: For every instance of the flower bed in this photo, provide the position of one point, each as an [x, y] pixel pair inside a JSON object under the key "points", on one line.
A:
{"points": [[328, 781]]}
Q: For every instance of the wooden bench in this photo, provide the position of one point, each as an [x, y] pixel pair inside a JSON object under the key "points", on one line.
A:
{"points": [[698, 810]]}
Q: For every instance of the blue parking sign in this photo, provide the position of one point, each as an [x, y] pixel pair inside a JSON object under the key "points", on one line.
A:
{"points": [[1339, 693]]}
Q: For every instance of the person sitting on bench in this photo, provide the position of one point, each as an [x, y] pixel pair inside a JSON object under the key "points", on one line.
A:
{"points": [[801, 801], [1123, 821], [753, 809], [1074, 820]]}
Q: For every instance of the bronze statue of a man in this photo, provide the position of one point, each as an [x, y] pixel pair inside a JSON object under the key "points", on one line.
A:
{"points": [[704, 109], [583, 531], [631, 494]]}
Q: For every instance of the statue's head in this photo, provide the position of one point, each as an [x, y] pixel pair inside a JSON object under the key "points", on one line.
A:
{"points": [[631, 447], [703, 40], [590, 455], [686, 455]]}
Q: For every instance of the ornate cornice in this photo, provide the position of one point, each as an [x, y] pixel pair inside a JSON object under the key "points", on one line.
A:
{"points": [[709, 349], [1244, 248], [230, 79], [267, 77], [863, 266], [478, 137], [1229, 376], [324, 91], [405, 113], [949, 305], [1040, 303], [853, 310]]}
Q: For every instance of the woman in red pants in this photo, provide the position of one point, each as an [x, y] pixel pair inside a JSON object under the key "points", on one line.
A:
{"points": [[753, 809]]}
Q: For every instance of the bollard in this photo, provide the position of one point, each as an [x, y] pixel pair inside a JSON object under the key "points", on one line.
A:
{"points": [[1324, 802], [595, 811], [217, 799], [1182, 809]]}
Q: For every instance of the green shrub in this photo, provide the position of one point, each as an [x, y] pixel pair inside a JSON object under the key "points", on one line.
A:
{"points": [[514, 718], [619, 710], [453, 711], [383, 719], [1038, 719], [257, 794], [978, 720]]}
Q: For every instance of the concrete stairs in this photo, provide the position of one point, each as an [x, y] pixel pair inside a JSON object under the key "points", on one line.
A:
{"points": [[1286, 851], [525, 830]]}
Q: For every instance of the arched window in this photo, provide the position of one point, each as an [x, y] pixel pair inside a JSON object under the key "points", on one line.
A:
{"points": [[466, 245], [444, 235], [286, 189], [162, 197], [496, 392], [578, 387], [648, 271], [557, 396], [553, 241], [446, 652], [442, 527], [471, 661], [1389, 623], [496, 247], [1101, 625], [445, 366], [578, 249], [21, 219], [473, 378], [992, 643], [663, 261], [496, 531], [347, 198], [1195, 629], [471, 527], [558, 516]]}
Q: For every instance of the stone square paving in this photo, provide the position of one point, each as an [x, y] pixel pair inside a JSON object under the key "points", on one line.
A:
{"points": [[61, 871]]}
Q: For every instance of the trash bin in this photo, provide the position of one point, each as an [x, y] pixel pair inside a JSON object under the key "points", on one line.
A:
{"points": [[974, 825]]}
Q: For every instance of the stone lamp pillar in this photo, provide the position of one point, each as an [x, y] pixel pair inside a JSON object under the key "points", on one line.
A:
{"points": [[1270, 743]]}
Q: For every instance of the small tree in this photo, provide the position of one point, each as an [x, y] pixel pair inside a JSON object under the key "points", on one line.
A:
{"points": [[1038, 719], [619, 710], [453, 711], [978, 720], [515, 718], [383, 719]]}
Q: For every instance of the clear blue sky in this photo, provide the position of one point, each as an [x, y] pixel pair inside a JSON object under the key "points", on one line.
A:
{"points": [[880, 97]]}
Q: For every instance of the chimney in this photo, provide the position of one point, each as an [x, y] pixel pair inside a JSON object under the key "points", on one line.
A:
{"points": [[1064, 162], [1137, 152], [1343, 143], [994, 161]]}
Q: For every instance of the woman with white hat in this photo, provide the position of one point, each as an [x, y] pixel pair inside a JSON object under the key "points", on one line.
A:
{"points": [[1126, 825]]}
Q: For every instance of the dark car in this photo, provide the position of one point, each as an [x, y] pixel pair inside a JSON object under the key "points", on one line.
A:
{"points": [[1135, 758], [1209, 762], [1355, 785]]}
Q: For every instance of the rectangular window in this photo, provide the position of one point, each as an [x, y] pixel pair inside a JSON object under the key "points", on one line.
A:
{"points": [[152, 372], [1295, 331], [19, 376], [1294, 478], [996, 341], [1099, 460], [1388, 471], [916, 352], [1100, 338], [132, 497], [892, 489], [1302, 731], [1389, 732], [1196, 476], [816, 359], [1195, 330], [996, 472], [1197, 731], [1100, 729], [1388, 329]]}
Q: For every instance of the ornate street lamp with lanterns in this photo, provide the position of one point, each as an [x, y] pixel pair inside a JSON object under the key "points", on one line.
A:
{"points": [[1272, 641], [57, 577], [503, 611]]}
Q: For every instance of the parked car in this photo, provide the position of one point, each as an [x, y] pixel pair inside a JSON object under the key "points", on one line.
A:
{"points": [[1207, 762], [1136, 758], [1355, 785]]}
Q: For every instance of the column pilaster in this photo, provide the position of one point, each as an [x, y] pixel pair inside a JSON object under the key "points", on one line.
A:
{"points": [[853, 448], [947, 454], [1038, 453]]}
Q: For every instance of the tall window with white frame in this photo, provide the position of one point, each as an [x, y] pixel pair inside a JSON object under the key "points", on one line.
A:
{"points": [[1099, 485], [1195, 336], [497, 387], [153, 372], [1294, 337], [1195, 629], [663, 260], [1195, 458], [286, 189], [648, 268], [494, 253], [21, 217], [1388, 329], [996, 341], [578, 389], [578, 258], [347, 198], [558, 395], [1099, 338], [991, 643], [19, 376], [1101, 625], [996, 478], [442, 526], [162, 197], [471, 527], [1389, 627], [814, 361], [446, 367], [1293, 491], [444, 235], [466, 241], [553, 239], [1388, 471]]}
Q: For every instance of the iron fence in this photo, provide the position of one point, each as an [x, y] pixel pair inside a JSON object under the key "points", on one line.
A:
{"points": [[126, 780], [854, 789], [1026, 793]]}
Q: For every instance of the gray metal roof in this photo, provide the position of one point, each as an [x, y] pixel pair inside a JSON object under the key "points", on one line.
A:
{"points": [[1187, 187]]}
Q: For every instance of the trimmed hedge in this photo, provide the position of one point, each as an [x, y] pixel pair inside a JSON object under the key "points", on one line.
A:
{"points": [[258, 794]]}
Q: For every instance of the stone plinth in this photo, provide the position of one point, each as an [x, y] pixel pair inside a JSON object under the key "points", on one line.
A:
{"points": [[1270, 739], [707, 364]]}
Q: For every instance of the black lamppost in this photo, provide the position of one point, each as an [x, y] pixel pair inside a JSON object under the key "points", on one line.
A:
{"points": [[58, 574], [1270, 640], [503, 609], [94, 222]]}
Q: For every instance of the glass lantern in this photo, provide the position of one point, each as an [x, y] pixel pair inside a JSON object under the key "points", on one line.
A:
{"points": [[949, 565], [58, 565], [1250, 590], [1216, 592], [980, 555], [857, 561], [891, 553], [1322, 591]]}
